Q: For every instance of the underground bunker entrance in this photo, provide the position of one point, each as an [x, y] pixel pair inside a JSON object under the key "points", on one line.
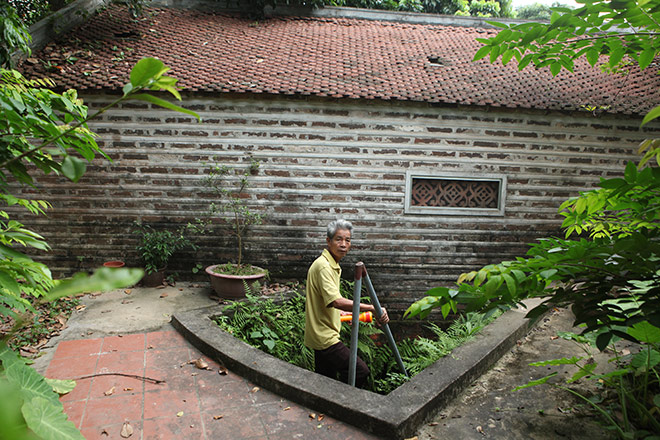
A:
{"points": [[395, 415]]}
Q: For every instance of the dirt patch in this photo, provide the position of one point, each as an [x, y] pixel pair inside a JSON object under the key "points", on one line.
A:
{"points": [[489, 409]]}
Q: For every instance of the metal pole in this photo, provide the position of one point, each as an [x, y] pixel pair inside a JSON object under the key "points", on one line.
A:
{"points": [[352, 362], [386, 327]]}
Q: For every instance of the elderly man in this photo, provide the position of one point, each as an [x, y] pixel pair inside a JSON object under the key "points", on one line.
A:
{"points": [[323, 305]]}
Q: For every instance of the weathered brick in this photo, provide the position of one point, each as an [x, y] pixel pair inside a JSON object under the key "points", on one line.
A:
{"points": [[428, 140], [317, 172], [525, 134], [323, 124], [485, 144], [579, 160], [497, 133]]}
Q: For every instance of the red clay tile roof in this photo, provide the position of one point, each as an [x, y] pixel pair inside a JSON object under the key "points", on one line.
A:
{"points": [[334, 57]]}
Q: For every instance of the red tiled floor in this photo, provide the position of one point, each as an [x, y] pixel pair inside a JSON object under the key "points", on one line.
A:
{"points": [[192, 403], [129, 363], [71, 367], [109, 410], [111, 432], [74, 411], [80, 392], [168, 403], [236, 423], [77, 348], [124, 343], [219, 395], [165, 340], [167, 361], [187, 426], [115, 385]]}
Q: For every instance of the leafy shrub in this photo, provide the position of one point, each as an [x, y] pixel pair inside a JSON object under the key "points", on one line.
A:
{"points": [[484, 8], [157, 246]]}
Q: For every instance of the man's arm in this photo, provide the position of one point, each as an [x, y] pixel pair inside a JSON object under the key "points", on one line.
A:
{"points": [[347, 306]]}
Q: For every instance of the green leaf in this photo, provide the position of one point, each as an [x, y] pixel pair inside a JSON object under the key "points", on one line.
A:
{"points": [[563, 361], [446, 309], [12, 424], [592, 56], [645, 57], [546, 274], [49, 421], [8, 282], [603, 340], [103, 279], [612, 183], [61, 387], [30, 383], [481, 276], [615, 56], [511, 284], [73, 168], [586, 370], [653, 114], [269, 343], [630, 173], [507, 55], [494, 53], [165, 104], [146, 70], [438, 291], [481, 53], [645, 332], [498, 24], [536, 382], [645, 360], [493, 284], [555, 68]]}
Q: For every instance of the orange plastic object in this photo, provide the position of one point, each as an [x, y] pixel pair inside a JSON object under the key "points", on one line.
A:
{"points": [[364, 317]]}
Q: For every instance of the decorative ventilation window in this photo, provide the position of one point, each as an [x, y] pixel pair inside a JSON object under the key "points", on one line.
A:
{"points": [[455, 195]]}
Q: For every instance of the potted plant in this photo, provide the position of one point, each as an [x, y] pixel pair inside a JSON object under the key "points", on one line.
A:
{"points": [[229, 280], [155, 248]]}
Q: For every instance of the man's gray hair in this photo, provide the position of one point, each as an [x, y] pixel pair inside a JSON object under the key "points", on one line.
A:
{"points": [[339, 224]]}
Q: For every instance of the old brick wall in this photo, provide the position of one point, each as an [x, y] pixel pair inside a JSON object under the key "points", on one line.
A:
{"points": [[321, 160]]}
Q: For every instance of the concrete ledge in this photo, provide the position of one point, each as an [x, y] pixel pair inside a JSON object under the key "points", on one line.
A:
{"points": [[396, 415], [62, 21]]}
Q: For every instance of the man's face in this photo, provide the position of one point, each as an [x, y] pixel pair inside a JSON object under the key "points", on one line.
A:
{"points": [[340, 244]]}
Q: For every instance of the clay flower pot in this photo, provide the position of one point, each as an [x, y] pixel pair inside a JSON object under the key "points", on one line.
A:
{"points": [[233, 286], [114, 263], [154, 279]]}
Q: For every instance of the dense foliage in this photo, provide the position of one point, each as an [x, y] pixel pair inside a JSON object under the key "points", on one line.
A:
{"points": [[481, 8], [42, 131], [606, 266], [536, 11], [278, 328], [625, 31], [156, 246]]}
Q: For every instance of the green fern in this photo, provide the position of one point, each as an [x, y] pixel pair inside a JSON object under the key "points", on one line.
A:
{"points": [[279, 329]]}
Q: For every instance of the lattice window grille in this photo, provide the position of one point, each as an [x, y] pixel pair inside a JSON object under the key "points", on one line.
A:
{"points": [[455, 193]]}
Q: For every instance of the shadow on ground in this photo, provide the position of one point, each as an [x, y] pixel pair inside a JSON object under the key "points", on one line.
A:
{"points": [[488, 409]]}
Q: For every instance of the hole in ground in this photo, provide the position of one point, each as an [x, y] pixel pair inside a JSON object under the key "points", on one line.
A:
{"points": [[396, 415]]}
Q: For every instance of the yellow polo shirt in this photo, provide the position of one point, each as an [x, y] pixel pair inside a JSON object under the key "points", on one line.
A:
{"points": [[322, 323]]}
